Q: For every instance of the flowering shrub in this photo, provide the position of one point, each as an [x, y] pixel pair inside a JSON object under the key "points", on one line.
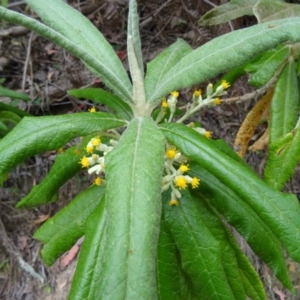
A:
{"points": [[155, 218]]}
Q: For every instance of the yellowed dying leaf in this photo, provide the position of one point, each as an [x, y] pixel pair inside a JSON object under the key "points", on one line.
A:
{"points": [[261, 143], [250, 123]]}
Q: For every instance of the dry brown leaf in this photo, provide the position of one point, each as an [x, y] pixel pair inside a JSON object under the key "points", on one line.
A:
{"points": [[69, 256], [41, 219], [292, 267], [261, 143], [250, 123]]}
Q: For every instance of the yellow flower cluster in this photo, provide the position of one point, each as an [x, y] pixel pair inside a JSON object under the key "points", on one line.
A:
{"points": [[95, 162], [175, 178]]}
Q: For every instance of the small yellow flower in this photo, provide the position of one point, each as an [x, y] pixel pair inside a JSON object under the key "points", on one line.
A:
{"points": [[208, 134], [164, 103], [225, 84], [96, 141], [217, 101], [184, 168], [89, 149], [180, 182], [175, 94], [173, 202], [195, 182], [92, 109], [98, 181], [84, 162], [171, 153], [60, 150], [197, 93]]}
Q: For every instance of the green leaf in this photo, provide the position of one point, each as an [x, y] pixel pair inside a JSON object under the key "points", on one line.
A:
{"points": [[228, 11], [224, 53], [75, 33], [162, 63], [4, 92], [60, 232], [134, 32], [283, 158], [270, 10], [264, 69], [172, 282], [36, 135], [88, 265], [8, 116], [252, 284], [284, 105], [133, 204], [232, 76], [64, 168], [201, 251], [280, 211], [245, 220], [15, 110], [101, 96]]}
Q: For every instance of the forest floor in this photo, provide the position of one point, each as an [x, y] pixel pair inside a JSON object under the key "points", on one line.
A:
{"points": [[38, 68]]}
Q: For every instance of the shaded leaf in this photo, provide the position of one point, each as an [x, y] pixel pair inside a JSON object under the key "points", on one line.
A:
{"points": [[228, 11], [4, 92], [101, 96], [264, 69], [37, 135], [172, 282], [269, 10], [285, 101], [66, 165], [283, 158], [60, 232]]}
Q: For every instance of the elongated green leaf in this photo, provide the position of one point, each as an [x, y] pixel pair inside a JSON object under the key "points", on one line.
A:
{"points": [[225, 52], [162, 63], [134, 32], [172, 282], [269, 10], [101, 96], [280, 211], [61, 231], [73, 32], [134, 174], [285, 101], [65, 167], [283, 160], [240, 215], [36, 135], [167, 268], [252, 284], [8, 116], [200, 250], [4, 92], [88, 265], [228, 11], [15, 110], [264, 69]]}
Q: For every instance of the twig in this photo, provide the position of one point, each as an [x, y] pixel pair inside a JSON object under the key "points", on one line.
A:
{"points": [[258, 92], [27, 61]]}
